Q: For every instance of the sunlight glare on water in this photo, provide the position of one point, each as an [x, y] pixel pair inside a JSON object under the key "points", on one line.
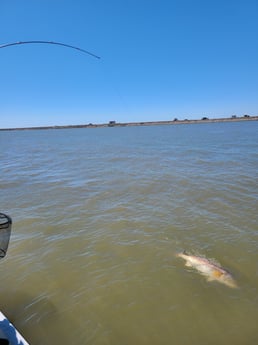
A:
{"points": [[98, 217]]}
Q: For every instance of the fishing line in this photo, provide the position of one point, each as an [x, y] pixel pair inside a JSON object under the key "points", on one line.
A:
{"points": [[115, 88], [112, 86]]}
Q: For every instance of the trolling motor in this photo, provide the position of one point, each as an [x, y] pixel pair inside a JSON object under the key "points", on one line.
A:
{"points": [[5, 232]]}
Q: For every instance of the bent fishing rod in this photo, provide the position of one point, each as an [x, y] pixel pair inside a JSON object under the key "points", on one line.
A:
{"points": [[49, 42]]}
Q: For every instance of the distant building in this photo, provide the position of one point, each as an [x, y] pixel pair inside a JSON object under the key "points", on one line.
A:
{"points": [[111, 123]]}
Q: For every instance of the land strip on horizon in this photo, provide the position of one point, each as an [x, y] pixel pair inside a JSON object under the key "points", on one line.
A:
{"points": [[143, 123]]}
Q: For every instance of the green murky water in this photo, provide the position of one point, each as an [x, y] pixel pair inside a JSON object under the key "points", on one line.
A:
{"points": [[98, 215]]}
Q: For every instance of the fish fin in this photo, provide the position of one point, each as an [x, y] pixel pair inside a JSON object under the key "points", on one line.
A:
{"points": [[187, 264], [210, 279], [217, 274]]}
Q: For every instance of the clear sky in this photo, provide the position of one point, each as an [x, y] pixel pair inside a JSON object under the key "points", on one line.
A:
{"points": [[160, 59]]}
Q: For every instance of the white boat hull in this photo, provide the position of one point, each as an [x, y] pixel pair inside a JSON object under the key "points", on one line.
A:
{"points": [[10, 333]]}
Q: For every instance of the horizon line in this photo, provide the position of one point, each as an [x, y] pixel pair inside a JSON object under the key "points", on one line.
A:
{"points": [[113, 123]]}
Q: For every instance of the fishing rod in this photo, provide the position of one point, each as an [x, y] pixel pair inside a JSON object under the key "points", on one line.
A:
{"points": [[49, 42]]}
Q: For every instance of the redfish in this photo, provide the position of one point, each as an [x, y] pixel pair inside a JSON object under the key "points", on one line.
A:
{"points": [[211, 270]]}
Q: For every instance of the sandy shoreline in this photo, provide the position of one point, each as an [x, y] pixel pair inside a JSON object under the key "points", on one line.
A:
{"points": [[146, 123]]}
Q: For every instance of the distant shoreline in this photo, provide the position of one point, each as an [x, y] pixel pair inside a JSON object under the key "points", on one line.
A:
{"points": [[142, 123]]}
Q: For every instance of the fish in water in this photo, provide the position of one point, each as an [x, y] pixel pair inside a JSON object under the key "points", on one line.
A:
{"points": [[211, 270]]}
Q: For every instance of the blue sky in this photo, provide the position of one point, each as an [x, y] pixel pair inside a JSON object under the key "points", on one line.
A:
{"points": [[159, 60]]}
